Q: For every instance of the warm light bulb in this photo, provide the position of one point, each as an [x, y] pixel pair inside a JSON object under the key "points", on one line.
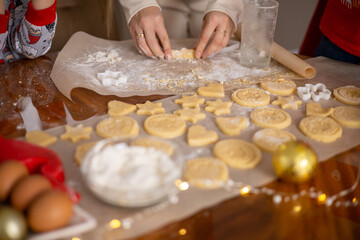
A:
{"points": [[182, 231], [75, 238], [354, 200], [184, 186], [297, 208], [322, 198], [245, 190], [115, 223]]}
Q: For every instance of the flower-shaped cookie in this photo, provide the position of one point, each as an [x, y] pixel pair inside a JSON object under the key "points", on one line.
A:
{"points": [[314, 92]]}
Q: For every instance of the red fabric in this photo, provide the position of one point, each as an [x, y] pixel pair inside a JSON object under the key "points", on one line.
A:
{"points": [[313, 34], [41, 17], [341, 24], [4, 21]]}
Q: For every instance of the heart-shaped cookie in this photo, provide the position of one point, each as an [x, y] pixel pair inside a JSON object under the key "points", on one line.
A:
{"points": [[200, 136], [313, 108], [211, 90]]}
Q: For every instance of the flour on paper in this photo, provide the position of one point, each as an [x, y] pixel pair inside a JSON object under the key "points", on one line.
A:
{"points": [[153, 76]]}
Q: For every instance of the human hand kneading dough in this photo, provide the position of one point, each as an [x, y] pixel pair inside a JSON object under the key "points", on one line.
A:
{"points": [[148, 31]]}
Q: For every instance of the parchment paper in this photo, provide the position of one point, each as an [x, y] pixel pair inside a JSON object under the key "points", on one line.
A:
{"points": [[74, 68], [332, 73]]}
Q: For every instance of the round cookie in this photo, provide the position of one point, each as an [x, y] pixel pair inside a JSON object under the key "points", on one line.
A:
{"points": [[237, 153], [279, 87], [250, 97], [270, 118], [157, 144], [165, 125], [347, 116], [322, 129], [270, 140], [208, 173], [349, 95], [122, 126]]}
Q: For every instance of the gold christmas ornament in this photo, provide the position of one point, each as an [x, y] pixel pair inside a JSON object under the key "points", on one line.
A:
{"points": [[13, 224], [295, 162]]}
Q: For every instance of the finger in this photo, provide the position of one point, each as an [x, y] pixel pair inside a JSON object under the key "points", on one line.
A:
{"points": [[165, 43], [216, 43], [143, 45], [205, 35], [153, 43]]}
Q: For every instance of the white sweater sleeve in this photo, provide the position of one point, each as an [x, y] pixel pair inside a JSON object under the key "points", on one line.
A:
{"points": [[232, 8], [131, 7]]}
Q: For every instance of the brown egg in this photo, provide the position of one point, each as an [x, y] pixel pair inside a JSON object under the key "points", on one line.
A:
{"points": [[50, 210], [10, 172], [27, 189]]}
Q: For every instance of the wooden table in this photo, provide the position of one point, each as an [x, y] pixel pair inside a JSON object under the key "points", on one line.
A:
{"points": [[254, 216]]}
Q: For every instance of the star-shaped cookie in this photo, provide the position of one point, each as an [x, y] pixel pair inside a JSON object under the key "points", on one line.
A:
{"points": [[287, 102], [218, 107], [212, 90], [190, 114], [192, 101], [118, 108], [77, 133], [149, 108]]}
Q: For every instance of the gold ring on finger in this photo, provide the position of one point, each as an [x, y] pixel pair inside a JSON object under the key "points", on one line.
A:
{"points": [[140, 35]]}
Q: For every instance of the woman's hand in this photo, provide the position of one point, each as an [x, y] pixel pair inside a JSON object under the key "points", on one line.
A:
{"points": [[148, 31], [219, 24]]}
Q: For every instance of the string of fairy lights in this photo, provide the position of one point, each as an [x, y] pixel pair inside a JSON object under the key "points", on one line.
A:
{"points": [[243, 189]]}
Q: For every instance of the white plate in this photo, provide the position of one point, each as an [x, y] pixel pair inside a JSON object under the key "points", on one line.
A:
{"points": [[81, 222]]}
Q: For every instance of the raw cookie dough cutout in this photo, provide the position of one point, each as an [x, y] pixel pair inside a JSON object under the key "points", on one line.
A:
{"points": [[77, 133], [270, 118], [200, 136], [190, 114], [313, 109], [165, 125], [122, 126], [281, 87], [218, 107], [322, 129], [118, 108], [212, 90], [270, 140], [250, 97], [347, 116], [184, 54], [348, 95], [287, 102], [206, 172], [154, 143], [40, 138], [231, 126], [82, 150], [237, 153], [149, 108], [192, 101]]}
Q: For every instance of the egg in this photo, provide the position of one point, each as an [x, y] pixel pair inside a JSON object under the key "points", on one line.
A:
{"points": [[10, 172], [50, 210], [27, 189]]}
